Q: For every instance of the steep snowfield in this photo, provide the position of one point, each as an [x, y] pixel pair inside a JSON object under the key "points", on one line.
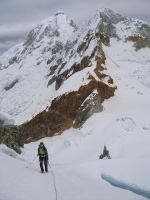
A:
{"points": [[123, 126]]}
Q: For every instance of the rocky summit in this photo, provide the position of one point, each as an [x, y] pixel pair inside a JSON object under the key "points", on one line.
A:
{"points": [[61, 74]]}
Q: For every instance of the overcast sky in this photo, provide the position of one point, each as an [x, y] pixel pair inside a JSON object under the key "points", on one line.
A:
{"points": [[17, 17]]}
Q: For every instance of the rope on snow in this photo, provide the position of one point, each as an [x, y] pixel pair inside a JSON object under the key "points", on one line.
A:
{"points": [[53, 181]]}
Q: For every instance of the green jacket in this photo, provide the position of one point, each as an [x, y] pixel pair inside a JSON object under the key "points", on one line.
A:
{"points": [[42, 152]]}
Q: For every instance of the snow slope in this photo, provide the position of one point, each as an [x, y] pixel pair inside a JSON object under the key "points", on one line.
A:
{"points": [[79, 174]]}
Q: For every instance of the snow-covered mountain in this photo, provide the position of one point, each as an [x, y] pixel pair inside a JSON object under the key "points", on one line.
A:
{"points": [[24, 68], [30, 71], [91, 85]]}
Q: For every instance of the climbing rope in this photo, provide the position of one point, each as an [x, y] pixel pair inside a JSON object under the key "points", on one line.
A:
{"points": [[53, 180]]}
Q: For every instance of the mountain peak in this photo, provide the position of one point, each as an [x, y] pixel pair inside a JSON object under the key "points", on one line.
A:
{"points": [[109, 16], [59, 13]]}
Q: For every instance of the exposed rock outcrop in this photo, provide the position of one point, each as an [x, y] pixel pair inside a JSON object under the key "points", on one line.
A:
{"points": [[11, 136], [91, 105], [65, 109], [8, 87], [105, 154], [139, 42]]}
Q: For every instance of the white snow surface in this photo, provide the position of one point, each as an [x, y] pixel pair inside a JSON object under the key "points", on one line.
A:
{"points": [[76, 171], [74, 159], [6, 118]]}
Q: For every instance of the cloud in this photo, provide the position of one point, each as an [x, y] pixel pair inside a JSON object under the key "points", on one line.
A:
{"points": [[10, 30], [133, 8], [12, 34], [6, 44]]}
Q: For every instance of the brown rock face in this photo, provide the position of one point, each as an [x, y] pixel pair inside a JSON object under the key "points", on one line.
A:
{"points": [[63, 111], [139, 42]]}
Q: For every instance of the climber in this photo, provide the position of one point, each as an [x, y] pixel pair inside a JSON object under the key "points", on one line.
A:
{"points": [[43, 157]]}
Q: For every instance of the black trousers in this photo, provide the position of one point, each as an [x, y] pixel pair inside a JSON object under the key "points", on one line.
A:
{"points": [[45, 160]]}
